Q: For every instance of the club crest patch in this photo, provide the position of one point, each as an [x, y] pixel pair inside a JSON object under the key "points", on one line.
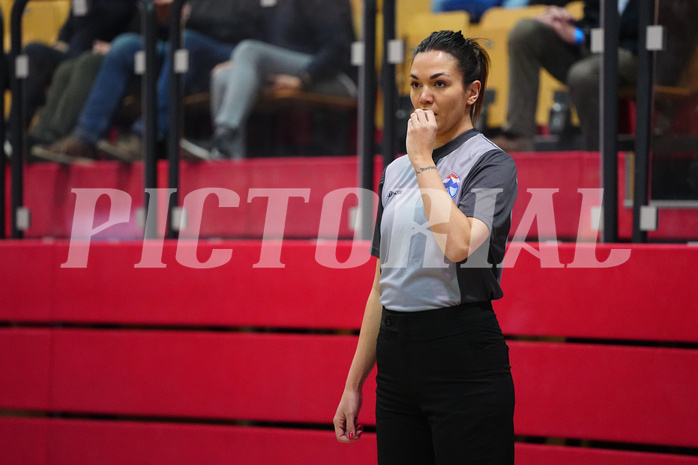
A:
{"points": [[452, 183]]}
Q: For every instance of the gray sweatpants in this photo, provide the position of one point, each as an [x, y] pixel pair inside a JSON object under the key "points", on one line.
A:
{"points": [[234, 90]]}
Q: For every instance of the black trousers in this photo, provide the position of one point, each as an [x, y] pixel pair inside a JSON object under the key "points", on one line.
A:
{"points": [[445, 394]]}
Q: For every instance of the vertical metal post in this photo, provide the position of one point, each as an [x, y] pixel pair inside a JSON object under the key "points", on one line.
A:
{"points": [[174, 112], [643, 130], [3, 84], [388, 84], [16, 124], [367, 124], [149, 91], [608, 119]]}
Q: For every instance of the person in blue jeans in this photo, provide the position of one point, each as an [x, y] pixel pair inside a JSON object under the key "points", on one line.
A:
{"points": [[213, 29], [102, 21]]}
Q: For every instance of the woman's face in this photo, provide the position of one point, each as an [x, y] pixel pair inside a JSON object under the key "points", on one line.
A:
{"points": [[437, 84]]}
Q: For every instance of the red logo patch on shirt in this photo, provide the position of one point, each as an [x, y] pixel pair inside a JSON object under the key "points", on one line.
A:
{"points": [[452, 183]]}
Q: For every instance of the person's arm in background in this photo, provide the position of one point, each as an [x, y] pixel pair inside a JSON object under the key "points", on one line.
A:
{"points": [[590, 20], [65, 34]]}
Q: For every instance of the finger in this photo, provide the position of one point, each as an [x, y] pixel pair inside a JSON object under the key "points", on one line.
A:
{"points": [[351, 428], [340, 430], [340, 433]]}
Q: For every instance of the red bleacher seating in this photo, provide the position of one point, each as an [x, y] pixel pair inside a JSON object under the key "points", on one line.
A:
{"points": [[236, 362], [48, 195]]}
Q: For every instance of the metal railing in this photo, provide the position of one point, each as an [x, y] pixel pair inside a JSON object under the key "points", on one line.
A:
{"points": [[149, 104], [3, 85], [366, 124], [179, 64], [18, 68], [645, 74]]}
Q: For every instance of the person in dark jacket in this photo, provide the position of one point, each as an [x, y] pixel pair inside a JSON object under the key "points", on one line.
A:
{"points": [[213, 29], [557, 43], [103, 20]]}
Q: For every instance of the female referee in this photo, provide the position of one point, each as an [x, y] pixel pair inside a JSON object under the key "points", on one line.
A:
{"points": [[444, 388]]}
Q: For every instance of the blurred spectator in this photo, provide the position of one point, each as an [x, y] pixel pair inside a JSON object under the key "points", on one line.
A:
{"points": [[308, 49], [556, 42], [213, 28], [103, 21], [476, 8], [71, 85], [677, 17]]}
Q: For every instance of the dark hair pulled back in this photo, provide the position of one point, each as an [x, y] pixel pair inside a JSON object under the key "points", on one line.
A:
{"points": [[473, 60]]}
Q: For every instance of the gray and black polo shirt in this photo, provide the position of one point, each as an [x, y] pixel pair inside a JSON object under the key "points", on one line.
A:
{"points": [[415, 274]]}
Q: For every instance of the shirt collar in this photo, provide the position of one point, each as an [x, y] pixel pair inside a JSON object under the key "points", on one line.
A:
{"points": [[454, 143]]}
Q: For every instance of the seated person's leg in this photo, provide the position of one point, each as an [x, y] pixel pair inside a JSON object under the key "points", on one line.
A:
{"points": [[42, 132], [67, 95], [532, 46], [204, 53], [109, 89], [254, 63], [77, 92], [43, 61], [583, 81]]}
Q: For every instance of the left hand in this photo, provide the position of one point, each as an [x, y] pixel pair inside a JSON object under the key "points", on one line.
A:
{"points": [[284, 81], [101, 47], [61, 46], [421, 134]]}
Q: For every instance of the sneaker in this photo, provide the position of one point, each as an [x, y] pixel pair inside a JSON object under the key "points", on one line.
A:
{"points": [[196, 150], [66, 151], [229, 144], [513, 143], [128, 148]]}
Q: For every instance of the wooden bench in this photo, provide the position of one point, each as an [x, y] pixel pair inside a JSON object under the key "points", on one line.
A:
{"points": [[289, 118], [116, 364], [201, 102]]}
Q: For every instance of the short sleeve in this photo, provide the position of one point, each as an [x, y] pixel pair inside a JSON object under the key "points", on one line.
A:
{"points": [[490, 190], [376, 242]]}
